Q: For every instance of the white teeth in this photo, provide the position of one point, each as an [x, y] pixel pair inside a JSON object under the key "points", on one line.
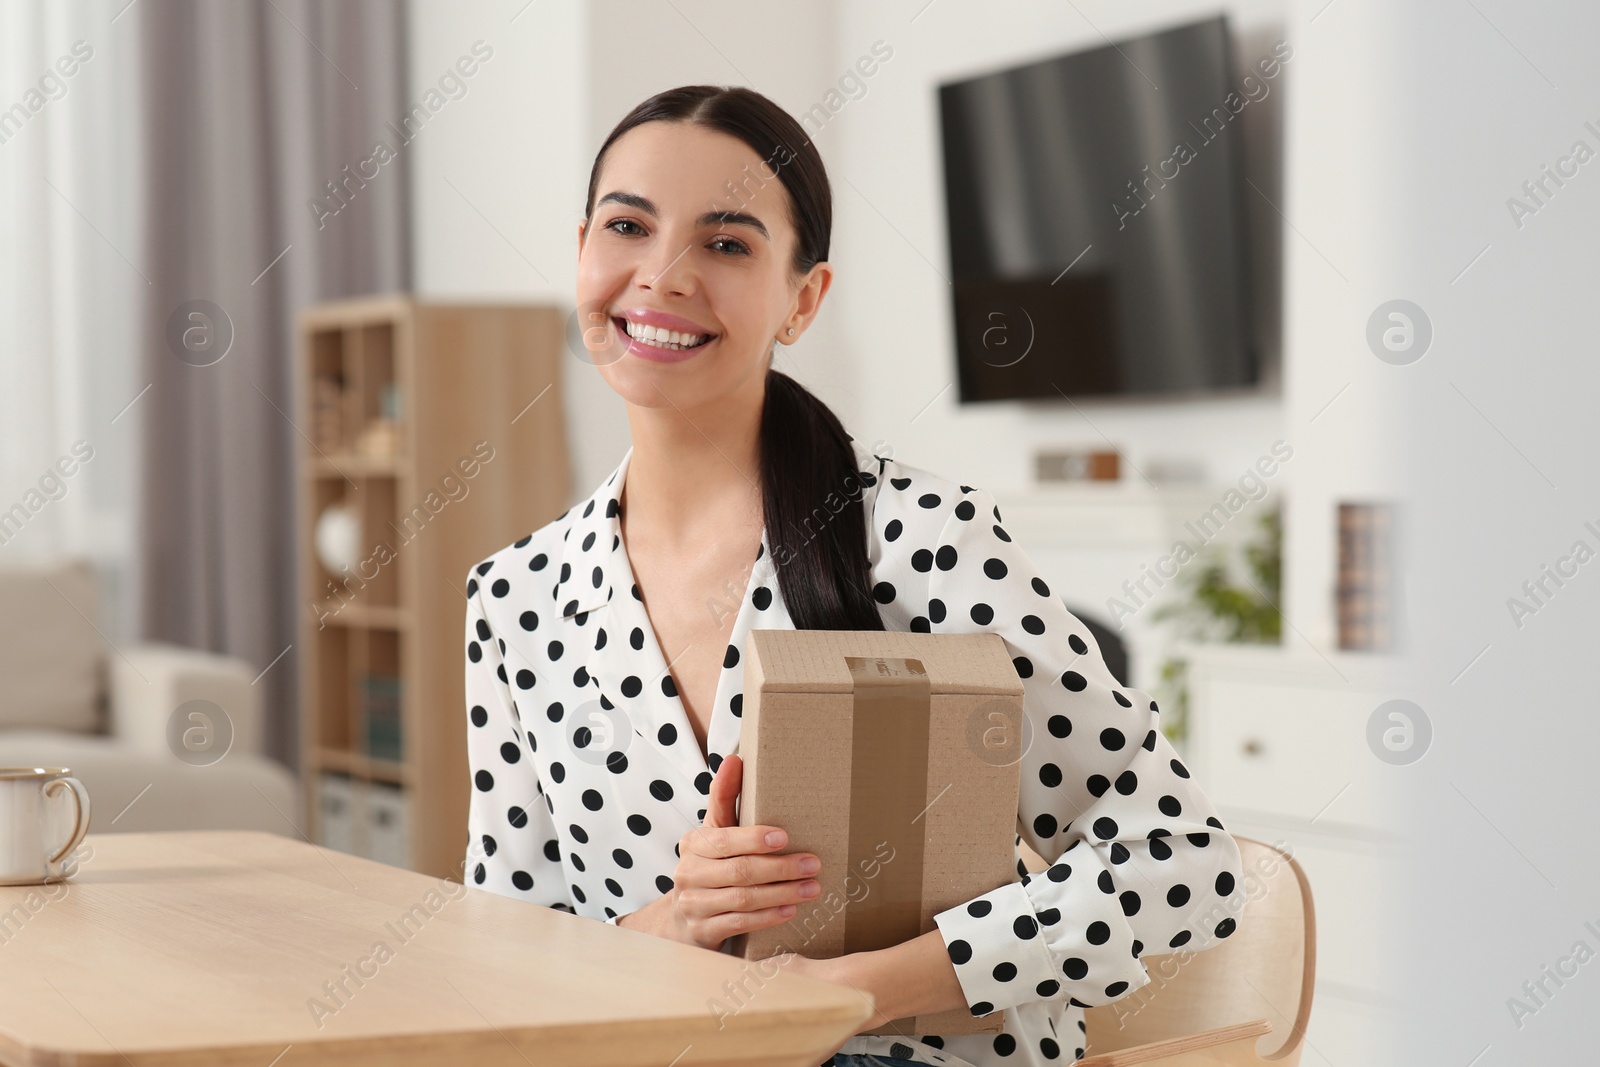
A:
{"points": [[662, 338]]}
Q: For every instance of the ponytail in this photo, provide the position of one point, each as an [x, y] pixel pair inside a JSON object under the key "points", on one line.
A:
{"points": [[819, 549]]}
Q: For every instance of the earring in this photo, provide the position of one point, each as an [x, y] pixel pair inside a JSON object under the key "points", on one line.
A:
{"points": [[791, 331]]}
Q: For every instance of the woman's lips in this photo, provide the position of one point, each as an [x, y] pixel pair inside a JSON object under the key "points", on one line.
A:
{"points": [[661, 320], [660, 355]]}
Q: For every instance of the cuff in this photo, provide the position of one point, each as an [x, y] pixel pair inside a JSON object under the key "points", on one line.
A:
{"points": [[998, 951]]}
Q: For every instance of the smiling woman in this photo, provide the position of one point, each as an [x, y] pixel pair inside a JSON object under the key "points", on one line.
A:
{"points": [[605, 689], [701, 267]]}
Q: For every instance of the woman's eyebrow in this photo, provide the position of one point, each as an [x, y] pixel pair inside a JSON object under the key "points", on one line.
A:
{"points": [[734, 218], [633, 200]]}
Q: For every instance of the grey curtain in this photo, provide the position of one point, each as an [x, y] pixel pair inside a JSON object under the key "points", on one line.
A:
{"points": [[253, 108]]}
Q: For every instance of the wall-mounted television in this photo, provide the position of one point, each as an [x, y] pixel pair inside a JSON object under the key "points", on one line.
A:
{"points": [[1096, 204]]}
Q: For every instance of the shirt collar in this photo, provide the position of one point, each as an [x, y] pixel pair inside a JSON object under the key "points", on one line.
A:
{"points": [[594, 522], [583, 587]]}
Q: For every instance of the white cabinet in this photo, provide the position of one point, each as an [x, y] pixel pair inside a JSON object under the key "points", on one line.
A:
{"points": [[371, 819], [336, 811], [1278, 740], [388, 825]]}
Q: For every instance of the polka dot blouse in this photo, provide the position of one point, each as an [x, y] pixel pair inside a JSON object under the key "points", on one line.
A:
{"points": [[586, 771]]}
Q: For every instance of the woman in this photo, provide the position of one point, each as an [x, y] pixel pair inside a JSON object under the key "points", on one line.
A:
{"points": [[604, 674]]}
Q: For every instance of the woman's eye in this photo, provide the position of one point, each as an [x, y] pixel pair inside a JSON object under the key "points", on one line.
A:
{"points": [[615, 223], [730, 246]]}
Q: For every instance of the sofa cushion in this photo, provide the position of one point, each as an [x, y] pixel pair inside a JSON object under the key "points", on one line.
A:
{"points": [[51, 655], [132, 791]]}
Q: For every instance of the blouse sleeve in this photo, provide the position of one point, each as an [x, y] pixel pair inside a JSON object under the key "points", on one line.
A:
{"points": [[1139, 860], [512, 848]]}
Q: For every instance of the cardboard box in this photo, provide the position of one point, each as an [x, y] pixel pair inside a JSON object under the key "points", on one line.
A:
{"points": [[895, 758]]}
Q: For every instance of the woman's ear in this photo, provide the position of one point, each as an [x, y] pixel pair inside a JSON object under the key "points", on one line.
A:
{"points": [[808, 301], [581, 224]]}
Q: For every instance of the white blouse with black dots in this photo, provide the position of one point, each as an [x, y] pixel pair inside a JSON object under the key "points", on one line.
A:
{"points": [[559, 650]]}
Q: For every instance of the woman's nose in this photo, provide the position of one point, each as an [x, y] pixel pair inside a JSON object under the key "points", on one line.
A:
{"points": [[669, 268]]}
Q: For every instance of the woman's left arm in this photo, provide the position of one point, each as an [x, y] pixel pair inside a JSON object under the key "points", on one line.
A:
{"points": [[904, 980]]}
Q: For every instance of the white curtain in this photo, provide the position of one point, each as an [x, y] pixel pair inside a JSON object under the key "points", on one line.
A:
{"points": [[154, 153], [72, 278]]}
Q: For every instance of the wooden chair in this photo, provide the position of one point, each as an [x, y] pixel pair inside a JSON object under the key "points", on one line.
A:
{"points": [[1225, 1006]]}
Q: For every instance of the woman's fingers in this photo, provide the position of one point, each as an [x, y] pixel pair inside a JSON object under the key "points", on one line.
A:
{"points": [[749, 870], [725, 793], [707, 902], [730, 923], [723, 842], [732, 879]]}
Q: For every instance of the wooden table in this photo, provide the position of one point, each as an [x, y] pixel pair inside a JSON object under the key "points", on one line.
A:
{"points": [[226, 949]]}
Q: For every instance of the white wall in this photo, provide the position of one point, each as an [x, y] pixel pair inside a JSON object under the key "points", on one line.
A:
{"points": [[497, 174], [1494, 448], [1339, 413]]}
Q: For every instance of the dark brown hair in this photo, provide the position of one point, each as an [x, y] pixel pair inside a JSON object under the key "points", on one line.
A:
{"points": [[807, 461]]}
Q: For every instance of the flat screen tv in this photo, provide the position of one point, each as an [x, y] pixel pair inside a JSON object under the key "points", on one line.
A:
{"points": [[1096, 221]]}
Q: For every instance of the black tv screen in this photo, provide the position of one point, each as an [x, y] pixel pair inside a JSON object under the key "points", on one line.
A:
{"points": [[1096, 222]]}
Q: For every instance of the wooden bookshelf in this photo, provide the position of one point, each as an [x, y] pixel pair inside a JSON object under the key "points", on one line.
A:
{"points": [[440, 428]]}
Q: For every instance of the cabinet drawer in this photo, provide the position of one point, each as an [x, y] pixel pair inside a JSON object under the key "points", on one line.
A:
{"points": [[1297, 752], [388, 825]]}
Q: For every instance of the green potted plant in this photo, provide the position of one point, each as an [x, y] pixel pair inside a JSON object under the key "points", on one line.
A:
{"points": [[1212, 606]]}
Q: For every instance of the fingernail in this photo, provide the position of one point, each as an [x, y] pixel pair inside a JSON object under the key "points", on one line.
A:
{"points": [[776, 838], [810, 865]]}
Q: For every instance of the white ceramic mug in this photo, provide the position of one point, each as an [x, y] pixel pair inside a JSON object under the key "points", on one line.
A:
{"points": [[27, 855]]}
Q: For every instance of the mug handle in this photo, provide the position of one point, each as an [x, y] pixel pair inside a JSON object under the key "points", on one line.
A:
{"points": [[80, 813]]}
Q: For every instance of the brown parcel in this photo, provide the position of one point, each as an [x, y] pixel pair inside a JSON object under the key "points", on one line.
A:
{"points": [[895, 758]]}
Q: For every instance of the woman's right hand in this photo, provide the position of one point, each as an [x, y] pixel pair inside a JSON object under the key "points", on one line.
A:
{"points": [[732, 879]]}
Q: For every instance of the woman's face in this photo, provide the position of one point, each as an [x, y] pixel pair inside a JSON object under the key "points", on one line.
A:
{"points": [[685, 267]]}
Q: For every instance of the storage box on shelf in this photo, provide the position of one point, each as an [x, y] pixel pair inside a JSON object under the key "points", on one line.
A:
{"points": [[422, 432]]}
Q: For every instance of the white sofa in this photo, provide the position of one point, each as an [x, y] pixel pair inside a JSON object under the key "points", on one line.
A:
{"points": [[69, 698]]}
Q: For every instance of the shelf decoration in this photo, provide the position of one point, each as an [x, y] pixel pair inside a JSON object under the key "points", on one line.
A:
{"points": [[381, 703], [338, 538]]}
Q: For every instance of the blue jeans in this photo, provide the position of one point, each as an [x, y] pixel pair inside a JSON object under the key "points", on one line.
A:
{"points": [[869, 1059]]}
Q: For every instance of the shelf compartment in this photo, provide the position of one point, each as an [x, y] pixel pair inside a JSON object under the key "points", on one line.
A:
{"points": [[381, 736], [326, 584], [327, 384], [380, 565], [374, 399], [359, 766], [331, 656], [333, 612], [342, 465]]}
